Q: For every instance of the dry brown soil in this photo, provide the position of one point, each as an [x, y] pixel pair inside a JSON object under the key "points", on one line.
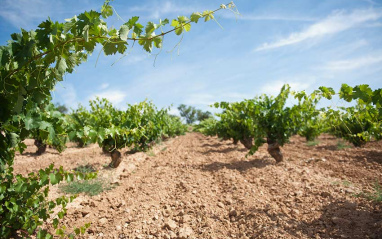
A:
{"points": [[195, 186]]}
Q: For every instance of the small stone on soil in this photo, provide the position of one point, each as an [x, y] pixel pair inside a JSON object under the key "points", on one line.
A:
{"points": [[170, 224]]}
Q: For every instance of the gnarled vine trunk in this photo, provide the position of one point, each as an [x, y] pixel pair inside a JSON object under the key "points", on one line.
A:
{"points": [[41, 147], [105, 150], [235, 141], [115, 158], [247, 142], [275, 151], [81, 144]]}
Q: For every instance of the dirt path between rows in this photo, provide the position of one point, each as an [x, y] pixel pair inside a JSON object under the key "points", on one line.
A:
{"points": [[201, 187]]}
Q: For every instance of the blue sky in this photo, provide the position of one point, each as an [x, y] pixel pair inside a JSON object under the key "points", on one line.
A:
{"points": [[304, 43]]}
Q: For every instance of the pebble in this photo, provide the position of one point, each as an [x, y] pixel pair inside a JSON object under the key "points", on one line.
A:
{"points": [[220, 204], [340, 221], [103, 220], [186, 218], [232, 213], [325, 194], [185, 232], [170, 224]]}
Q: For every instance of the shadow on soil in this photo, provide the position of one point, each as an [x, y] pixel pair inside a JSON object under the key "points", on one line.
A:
{"points": [[241, 166], [370, 156], [223, 151], [213, 145], [344, 219], [33, 154]]}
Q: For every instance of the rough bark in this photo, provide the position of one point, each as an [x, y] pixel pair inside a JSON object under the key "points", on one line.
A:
{"points": [[275, 151], [235, 141], [247, 142], [41, 147], [81, 144], [105, 150], [115, 159]]}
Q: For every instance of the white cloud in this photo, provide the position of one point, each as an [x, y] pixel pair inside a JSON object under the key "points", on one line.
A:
{"points": [[114, 96], [200, 99], [132, 59], [352, 64], [162, 9], [255, 17], [65, 93], [174, 111], [296, 85], [25, 13], [104, 86], [337, 22]]}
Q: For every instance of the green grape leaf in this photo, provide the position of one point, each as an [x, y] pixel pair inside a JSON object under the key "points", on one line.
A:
{"points": [[124, 32], [44, 125], [346, 92], [158, 42], [208, 15], [110, 48], [363, 92], [147, 44], [77, 231], [327, 92], [195, 17], [177, 27], [54, 179], [150, 28], [68, 26], [164, 22], [183, 19], [132, 21], [187, 27], [61, 66], [14, 139], [106, 11]]}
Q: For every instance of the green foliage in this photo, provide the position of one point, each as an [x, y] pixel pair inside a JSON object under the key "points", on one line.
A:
{"points": [[173, 126], [139, 126], [266, 119], [188, 112], [312, 143], [360, 123], [61, 108], [207, 127], [24, 199], [191, 114], [305, 114], [357, 124], [89, 187], [44, 124], [85, 169], [234, 123], [271, 118], [78, 127], [202, 115], [376, 195]]}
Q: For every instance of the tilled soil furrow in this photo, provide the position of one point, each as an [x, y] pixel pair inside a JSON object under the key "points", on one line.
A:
{"points": [[201, 187]]}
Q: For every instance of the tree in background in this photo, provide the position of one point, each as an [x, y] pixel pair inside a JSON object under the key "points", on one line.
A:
{"points": [[188, 112], [203, 115], [61, 108], [191, 114]]}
